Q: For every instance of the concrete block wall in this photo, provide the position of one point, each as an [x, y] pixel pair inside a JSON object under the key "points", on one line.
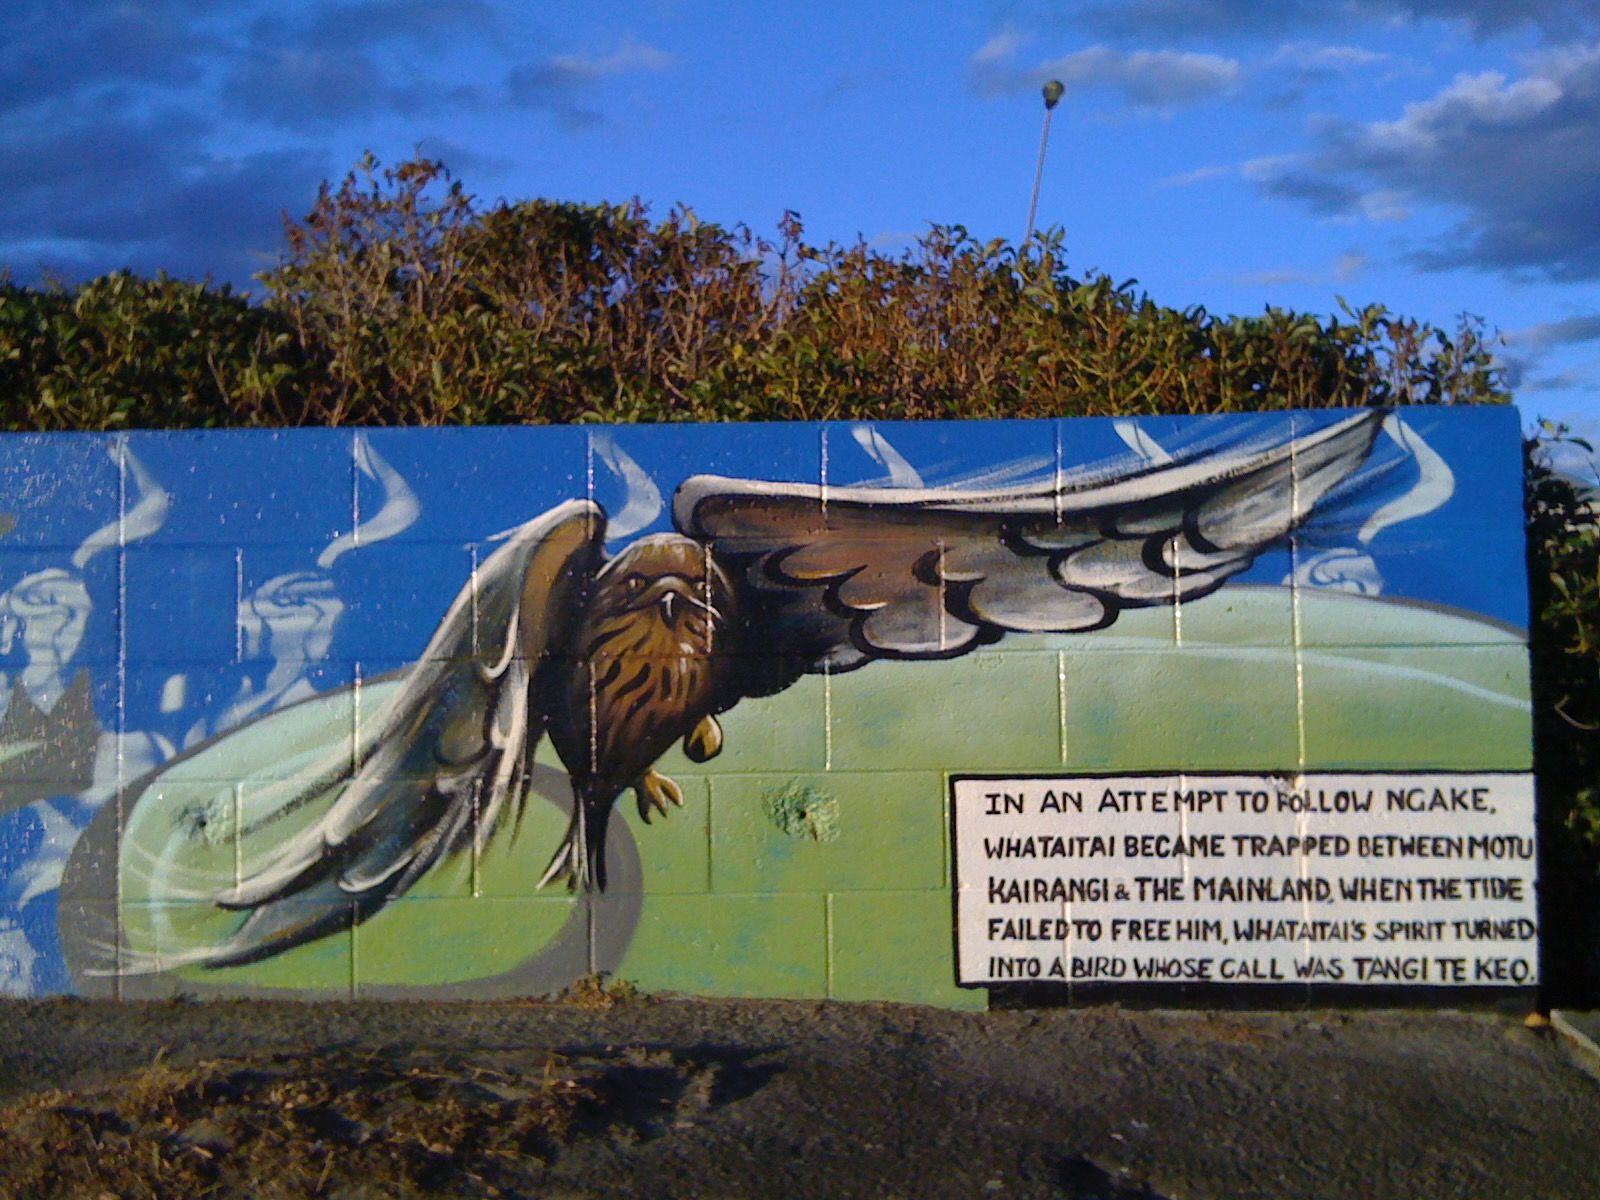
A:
{"points": [[202, 636]]}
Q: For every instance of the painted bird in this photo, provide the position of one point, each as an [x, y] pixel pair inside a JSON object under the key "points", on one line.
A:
{"points": [[615, 659]]}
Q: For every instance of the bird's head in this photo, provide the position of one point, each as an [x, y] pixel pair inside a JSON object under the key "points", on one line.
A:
{"points": [[673, 580]]}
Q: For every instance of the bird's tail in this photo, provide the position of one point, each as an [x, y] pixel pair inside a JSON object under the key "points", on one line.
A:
{"points": [[581, 857]]}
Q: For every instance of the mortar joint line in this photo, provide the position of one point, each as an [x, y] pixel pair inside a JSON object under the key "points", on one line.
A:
{"points": [[1177, 591], [588, 465], [355, 717], [947, 848], [355, 491], [827, 937], [477, 838], [944, 630], [1061, 702], [238, 840], [1296, 617], [120, 757], [827, 717], [822, 483], [238, 604], [1061, 476], [589, 925], [477, 598]]}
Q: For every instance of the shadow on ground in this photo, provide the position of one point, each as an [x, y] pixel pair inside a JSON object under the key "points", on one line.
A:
{"points": [[645, 1099]]}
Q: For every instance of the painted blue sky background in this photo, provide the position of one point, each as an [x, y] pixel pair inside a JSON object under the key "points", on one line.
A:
{"points": [[1438, 156], [193, 581]]}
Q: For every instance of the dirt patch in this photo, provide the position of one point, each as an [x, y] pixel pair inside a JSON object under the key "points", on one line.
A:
{"points": [[610, 1095], [379, 1124], [593, 994]]}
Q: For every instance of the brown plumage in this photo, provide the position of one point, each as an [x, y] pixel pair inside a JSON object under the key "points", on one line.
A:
{"points": [[644, 674], [615, 659]]}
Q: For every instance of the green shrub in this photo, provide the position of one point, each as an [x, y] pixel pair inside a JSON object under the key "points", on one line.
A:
{"points": [[122, 351], [1564, 593], [403, 300], [415, 305]]}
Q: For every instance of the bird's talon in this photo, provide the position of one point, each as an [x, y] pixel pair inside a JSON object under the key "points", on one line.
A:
{"points": [[653, 791]]}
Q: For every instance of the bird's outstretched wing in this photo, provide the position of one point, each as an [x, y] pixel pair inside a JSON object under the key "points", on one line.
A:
{"points": [[443, 761], [832, 580]]}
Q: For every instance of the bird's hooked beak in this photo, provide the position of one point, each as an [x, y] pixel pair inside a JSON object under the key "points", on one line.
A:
{"points": [[670, 602]]}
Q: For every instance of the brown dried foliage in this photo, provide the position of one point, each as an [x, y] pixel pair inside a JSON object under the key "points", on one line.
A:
{"points": [[402, 300], [336, 1123], [414, 305]]}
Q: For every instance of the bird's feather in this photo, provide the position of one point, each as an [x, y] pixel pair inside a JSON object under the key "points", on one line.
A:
{"points": [[829, 580], [798, 579], [444, 759]]}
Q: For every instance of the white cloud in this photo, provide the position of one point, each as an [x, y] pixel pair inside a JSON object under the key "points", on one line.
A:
{"points": [[1198, 175], [557, 83], [1567, 331], [1517, 159], [1384, 204], [1561, 381], [1310, 56], [1233, 19], [1341, 270], [998, 48], [1349, 265], [1268, 166], [1146, 79], [629, 58], [1271, 277]]}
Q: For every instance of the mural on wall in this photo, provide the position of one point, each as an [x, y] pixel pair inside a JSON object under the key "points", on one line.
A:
{"points": [[280, 792]]}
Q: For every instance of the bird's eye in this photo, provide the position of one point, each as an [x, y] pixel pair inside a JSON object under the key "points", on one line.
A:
{"points": [[633, 583]]}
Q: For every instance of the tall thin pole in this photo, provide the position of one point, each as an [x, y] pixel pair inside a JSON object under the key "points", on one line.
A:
{"points": [[1052, 96]]}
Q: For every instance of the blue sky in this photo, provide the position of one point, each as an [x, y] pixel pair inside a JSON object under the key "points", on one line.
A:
{"points": [[1437, 156]]}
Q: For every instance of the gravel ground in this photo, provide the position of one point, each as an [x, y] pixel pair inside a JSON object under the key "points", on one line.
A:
{"points": [[778, 1099]]}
